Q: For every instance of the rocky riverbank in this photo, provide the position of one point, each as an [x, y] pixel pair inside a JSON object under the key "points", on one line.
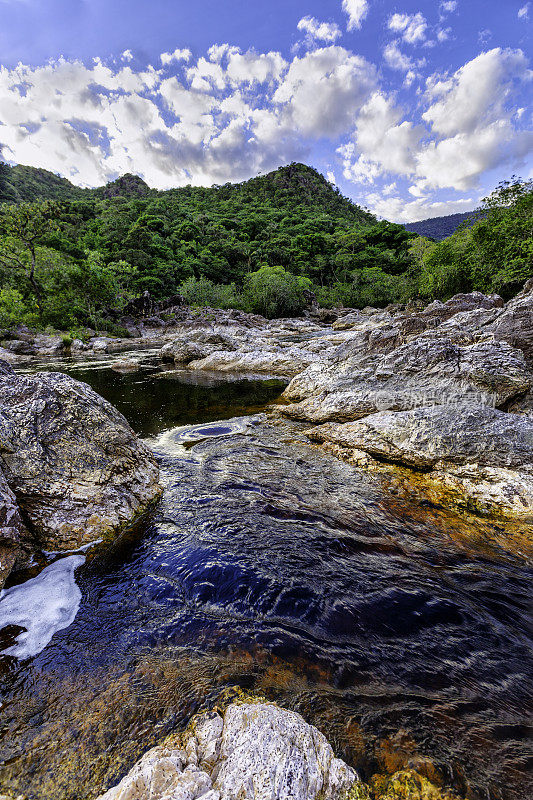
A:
{"points": [[72, 471], [254, 750]]}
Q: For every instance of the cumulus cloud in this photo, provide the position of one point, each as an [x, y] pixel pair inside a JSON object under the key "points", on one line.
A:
{"points": [[322, 31], [224, 117], [323, 90], [230, 114], [177, 55], [411, 27], [448, 6], [477, 93], [397, 209], [396, 59], [469, 128], [523, 13], [357, 11]]}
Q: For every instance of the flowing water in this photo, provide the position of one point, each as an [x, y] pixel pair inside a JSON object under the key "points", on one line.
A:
{"points": [[273, 567]]}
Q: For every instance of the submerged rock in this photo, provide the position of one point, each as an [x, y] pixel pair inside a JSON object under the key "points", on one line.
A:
{"points": [[252, 751], [474, 453], [78, 471]]}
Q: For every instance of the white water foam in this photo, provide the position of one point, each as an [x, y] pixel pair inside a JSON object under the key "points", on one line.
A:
{"points": [[42, 605]]}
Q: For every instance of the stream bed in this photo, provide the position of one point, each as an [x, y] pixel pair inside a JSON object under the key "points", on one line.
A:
{"points": [[269, 566]]}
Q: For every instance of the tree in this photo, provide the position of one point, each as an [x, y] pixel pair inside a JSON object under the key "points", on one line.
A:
{"points": [[25, 226], [274, 292]]}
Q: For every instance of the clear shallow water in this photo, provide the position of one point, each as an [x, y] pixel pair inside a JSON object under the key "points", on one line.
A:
{"points": [[273, 567]]}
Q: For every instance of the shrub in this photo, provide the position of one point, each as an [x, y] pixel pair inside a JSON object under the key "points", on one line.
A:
{"points": [[274, 292], [203, 292]]}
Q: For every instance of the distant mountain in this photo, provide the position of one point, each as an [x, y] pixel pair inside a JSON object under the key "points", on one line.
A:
{"points": [[439, 228]]}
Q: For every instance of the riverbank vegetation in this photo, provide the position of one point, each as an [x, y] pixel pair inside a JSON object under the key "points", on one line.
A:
{"points": [[70, 256]]}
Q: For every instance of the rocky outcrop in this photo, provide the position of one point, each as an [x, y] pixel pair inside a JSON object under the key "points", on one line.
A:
{"points": [[474, 455], [252, 751], [15, 539], [76, 468], [456, 374], [426, 370], [281, 347]]}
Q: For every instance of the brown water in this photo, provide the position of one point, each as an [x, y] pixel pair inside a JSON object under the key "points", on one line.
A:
{"points": [[273, 567]]}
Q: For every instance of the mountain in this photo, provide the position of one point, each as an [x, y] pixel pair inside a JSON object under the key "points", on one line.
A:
{"points": [[439, 228]]}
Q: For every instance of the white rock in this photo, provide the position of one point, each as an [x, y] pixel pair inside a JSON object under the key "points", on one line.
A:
{"points": [[257, 751]]}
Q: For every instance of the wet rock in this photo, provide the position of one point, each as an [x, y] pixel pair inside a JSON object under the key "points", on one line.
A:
{"points": [[99, 344], [480, 454], [13, 358], [127, 365], [408, 784], [14, 536], [77, 469], [255, 750]]}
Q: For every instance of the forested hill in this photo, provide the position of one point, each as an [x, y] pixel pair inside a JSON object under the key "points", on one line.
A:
{"points": [[440, 228], [287, 187]]}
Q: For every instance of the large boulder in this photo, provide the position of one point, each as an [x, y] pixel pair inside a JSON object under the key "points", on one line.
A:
{"points": [[78, 471], [430, 369], [479, 453], [254, 750]]}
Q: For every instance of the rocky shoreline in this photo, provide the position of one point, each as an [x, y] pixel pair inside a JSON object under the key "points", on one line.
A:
{"points": [[438, 400]]}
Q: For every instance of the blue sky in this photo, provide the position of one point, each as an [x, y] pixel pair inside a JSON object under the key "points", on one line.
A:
{"points": [[414, 108]]}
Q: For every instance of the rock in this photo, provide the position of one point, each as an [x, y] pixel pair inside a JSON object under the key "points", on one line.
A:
{"points": [[14, 536], [407, 784], [77, 346], [48, 345], [480, 454], [515, 322], [346, 322], [99, 345], [13, 358], [255, 750], [127, 365], [77, 469], [429, 369]]}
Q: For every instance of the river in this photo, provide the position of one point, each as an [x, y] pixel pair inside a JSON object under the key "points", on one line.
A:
{"points": [[270, 566]]}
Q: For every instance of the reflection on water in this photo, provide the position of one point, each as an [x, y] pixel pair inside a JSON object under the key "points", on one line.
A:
{"points": [[271, 566]]}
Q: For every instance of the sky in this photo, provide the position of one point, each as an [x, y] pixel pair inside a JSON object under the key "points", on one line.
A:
{"points": [[414, 108]]}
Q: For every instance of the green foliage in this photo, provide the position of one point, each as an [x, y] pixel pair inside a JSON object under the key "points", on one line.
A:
{"points": [[73, 255], [203, 292], [274, 292], [13, 309], [495, 254]]}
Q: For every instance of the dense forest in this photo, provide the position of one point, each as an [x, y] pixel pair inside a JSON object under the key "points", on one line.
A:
{"points": [[68, 255]]}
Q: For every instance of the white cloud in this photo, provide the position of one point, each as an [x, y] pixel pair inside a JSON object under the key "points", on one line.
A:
{"points": [[396, 59], [523, 13], [357, 11], [412, 27], [251, 67], [331, 177], [397, 209], [476, 94], [443, 34], [177, 55], [448, 6], [322, 31], [127, 55], [323, 90]]}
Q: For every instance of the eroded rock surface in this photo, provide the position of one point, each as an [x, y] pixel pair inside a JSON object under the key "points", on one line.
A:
{"points": [[76, 468], [480, 453], [255, 751]]}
